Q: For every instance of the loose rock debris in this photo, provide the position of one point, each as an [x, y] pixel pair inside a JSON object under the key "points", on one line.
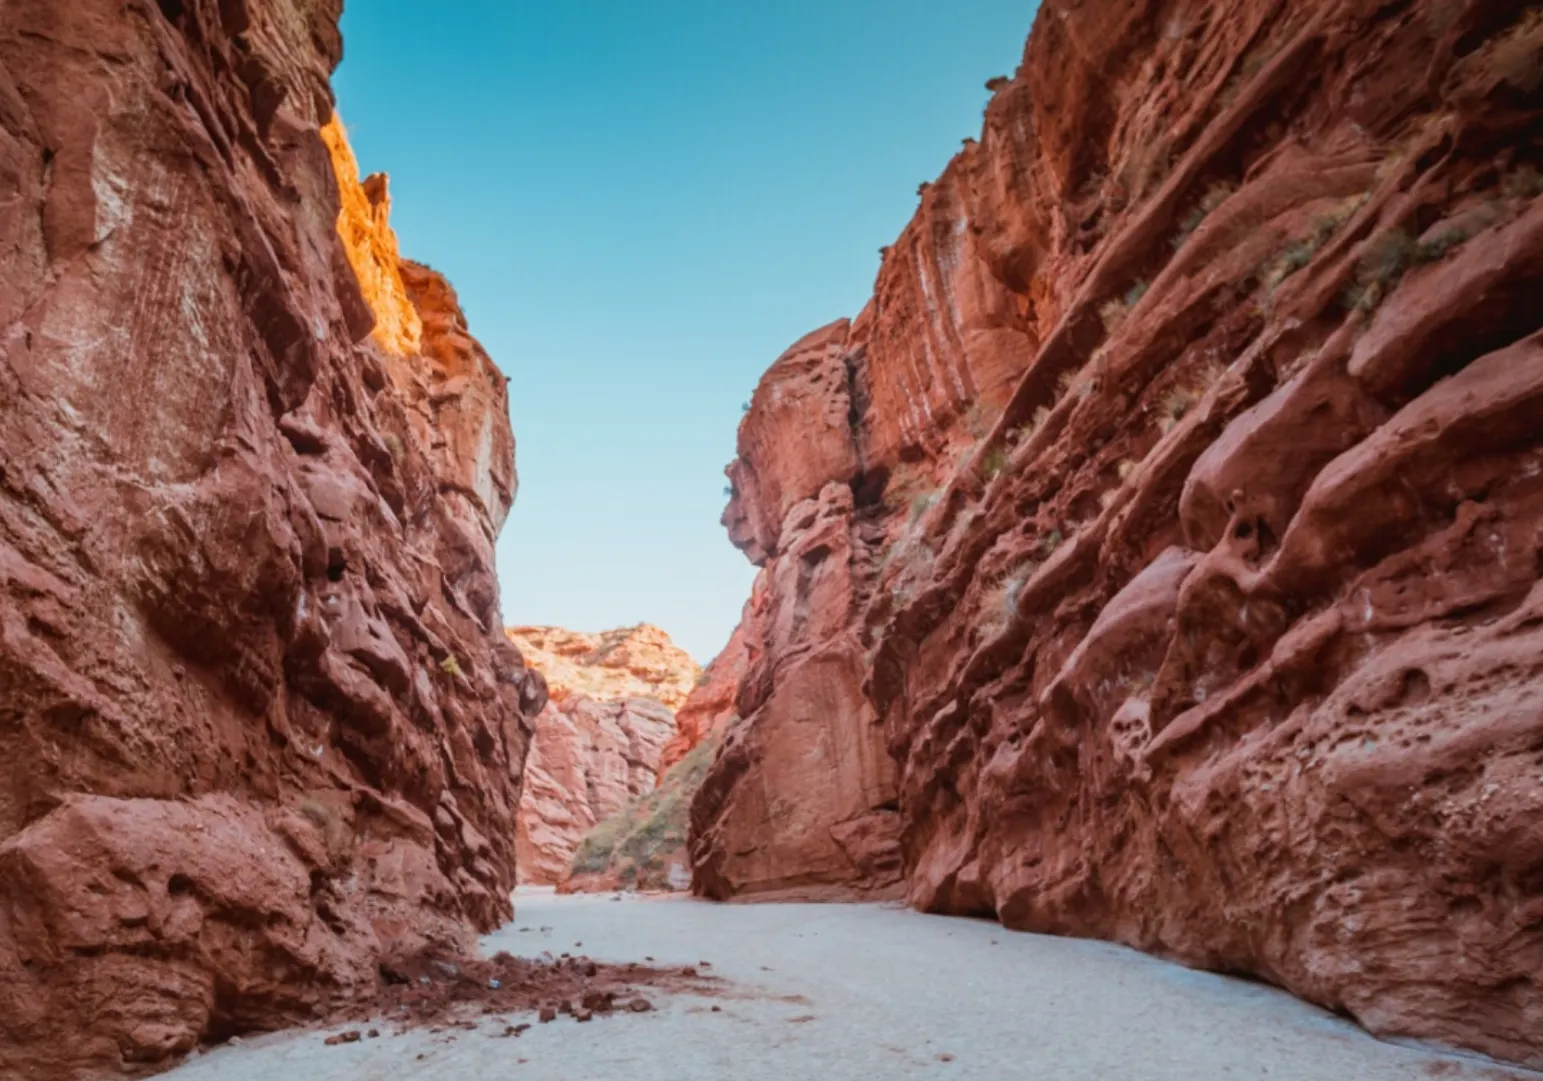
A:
{"points": [[438, 993]]}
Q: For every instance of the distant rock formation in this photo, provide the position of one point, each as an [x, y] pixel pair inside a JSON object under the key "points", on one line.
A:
{"points": [[259, 722], [1157, 556], [598, 743]]}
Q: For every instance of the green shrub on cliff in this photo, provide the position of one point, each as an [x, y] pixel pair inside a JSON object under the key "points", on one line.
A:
{"points": [[637, 843]]}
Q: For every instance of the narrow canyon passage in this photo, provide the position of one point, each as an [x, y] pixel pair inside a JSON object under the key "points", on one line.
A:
{"points": [[860, 991], [1147, 546]]}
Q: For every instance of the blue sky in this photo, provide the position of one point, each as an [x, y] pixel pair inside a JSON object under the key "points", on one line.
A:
{"points": [[641, 205]]}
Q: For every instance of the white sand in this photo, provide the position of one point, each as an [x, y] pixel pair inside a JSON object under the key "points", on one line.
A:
{"points": [[864, 993]]}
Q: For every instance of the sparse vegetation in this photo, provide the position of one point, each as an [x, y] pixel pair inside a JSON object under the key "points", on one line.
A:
{"points": [[1051, 541], [999, 82], [728, 491], [1021, 433], [1390, 256], [978, 420], [1381, 265], [394, 446], [1293, 258], [1440, 242], [637, 843], [1175, 405], [921, 504], [999, 608], [1215, 196], [334, 829], [1300, 253], [1523, 182], [1114, 311], [450, 666], [993, 463]]}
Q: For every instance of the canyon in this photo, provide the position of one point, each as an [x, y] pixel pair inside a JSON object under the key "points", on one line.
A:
{"points": [[1156, 557]]}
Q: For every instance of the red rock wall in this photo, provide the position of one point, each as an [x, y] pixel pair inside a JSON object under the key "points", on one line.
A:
{"points": [[259, 722], [1197, 477], [588, 759], [601, 739], [712, 705], [800, 800]]}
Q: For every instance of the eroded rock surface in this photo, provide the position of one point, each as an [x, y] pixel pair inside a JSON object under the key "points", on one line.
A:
{"points": [[260, 724], [712, 704], [1173, 516], [598, 743]]}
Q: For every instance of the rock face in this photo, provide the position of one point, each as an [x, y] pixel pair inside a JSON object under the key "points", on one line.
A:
{"points": [[712, 705], [1173, 517], [260, 724], [598, 743]]}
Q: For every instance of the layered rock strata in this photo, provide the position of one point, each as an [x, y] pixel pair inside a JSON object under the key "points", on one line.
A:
{"points": [[259, 722], [599, 742], [1173, 516]]}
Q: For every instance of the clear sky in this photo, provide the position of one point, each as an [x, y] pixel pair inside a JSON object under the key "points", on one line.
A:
{"points": [[641, 204]]}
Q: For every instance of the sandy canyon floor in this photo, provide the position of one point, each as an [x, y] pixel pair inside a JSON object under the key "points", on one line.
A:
{"points": [[863, 992]]}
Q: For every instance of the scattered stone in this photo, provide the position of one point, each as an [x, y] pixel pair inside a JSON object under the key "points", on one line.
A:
{"points": [[945, 1057], [583, 1015], [640, 1005], [351, 1036], [548, 1013], [373, 1034]]}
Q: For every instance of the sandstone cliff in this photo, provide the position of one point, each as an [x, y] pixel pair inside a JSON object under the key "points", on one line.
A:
{"points": [[598, 743], [712, 704], [1157, 556], [260, 724]]}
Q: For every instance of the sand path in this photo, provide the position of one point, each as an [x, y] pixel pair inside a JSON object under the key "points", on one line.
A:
{"points": [[865, 993]]}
